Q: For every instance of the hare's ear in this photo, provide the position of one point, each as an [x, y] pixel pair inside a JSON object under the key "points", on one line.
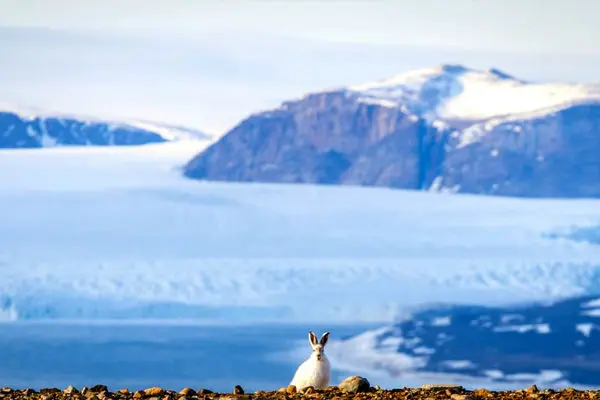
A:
{"points": [[312, 338], [324, 339]]}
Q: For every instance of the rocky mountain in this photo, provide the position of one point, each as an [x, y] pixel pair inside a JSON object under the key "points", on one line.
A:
{"points": [[447, 128], [543, 343], [32, 129]]}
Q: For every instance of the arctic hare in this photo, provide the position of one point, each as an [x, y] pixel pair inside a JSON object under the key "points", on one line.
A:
{"points": [[316, 370]]}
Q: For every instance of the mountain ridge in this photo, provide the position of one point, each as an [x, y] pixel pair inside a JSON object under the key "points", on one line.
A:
{"points": [[29, 127], [446, 128]]}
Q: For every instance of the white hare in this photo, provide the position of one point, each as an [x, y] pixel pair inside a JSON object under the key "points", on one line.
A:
{"points": [[316, 370]]}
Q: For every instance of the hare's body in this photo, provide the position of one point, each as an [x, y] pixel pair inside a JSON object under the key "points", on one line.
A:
{"points": [[315, 371], [312, 372]]}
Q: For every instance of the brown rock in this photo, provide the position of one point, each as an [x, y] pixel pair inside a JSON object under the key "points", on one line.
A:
{"points": [[482, 392], [308, 390], [456, 396], [532, 389], [291, 389], [187, 391], [138, 395], [354, 384], [124, 391], [49, 390], [439, 386], [238, 390], [71, 390], [99, 388], [154, 391]]}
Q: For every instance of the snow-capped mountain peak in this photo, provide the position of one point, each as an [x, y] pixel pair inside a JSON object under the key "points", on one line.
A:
{"points": [[455, 92]]}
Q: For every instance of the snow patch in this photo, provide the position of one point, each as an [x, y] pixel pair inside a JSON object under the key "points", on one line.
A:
{"points": [[456, 92], [585, 329], [441, 321], [539, 328], [459, 364], [507, 318], [592, 313], [365, 350], [591, 304], [494, 373], [543, 377]]}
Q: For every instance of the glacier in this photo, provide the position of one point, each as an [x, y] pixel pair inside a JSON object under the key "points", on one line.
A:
{"points": [[101, 233]]}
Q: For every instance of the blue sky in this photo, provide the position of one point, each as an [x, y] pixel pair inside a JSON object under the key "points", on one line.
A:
{"points": [[210, 63]]}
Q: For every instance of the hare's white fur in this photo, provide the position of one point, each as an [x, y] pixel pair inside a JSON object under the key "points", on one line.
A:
{"points": [[316, 370]]}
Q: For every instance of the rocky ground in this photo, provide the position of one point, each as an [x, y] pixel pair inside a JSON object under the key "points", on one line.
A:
{"points": [[352, 388]]}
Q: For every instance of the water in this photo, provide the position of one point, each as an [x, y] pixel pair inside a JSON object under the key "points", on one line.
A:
{"points": [[40, 355]]}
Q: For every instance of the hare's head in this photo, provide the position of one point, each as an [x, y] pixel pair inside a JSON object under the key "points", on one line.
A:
{"points": [[318, 346]]}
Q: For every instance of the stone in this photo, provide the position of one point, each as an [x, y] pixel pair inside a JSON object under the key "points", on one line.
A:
{"points": [[154, 391], [439, 386], [138, 395], [99, 388], [308, 390], [291, 389], [456, 396], [532, 389], [238, 390], [482, 392], [354, 384], [187, 391], [49, 390]]}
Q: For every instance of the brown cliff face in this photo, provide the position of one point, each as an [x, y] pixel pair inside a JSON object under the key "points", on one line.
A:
{"points": [[326, 138], [335, 138], [556, 155]]}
